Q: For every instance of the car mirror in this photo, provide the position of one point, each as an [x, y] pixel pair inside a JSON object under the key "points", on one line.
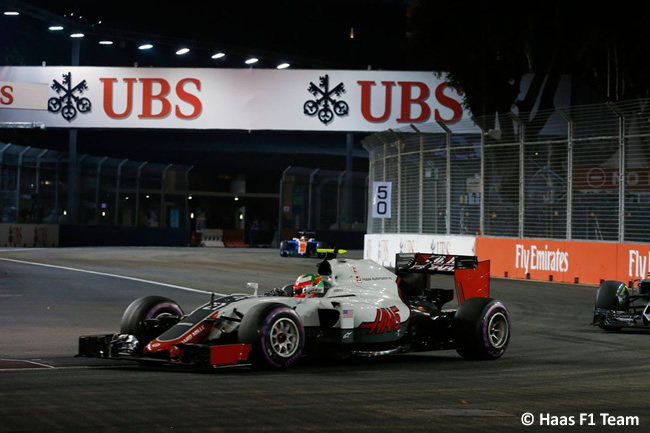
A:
{"points": [[253, 287]]}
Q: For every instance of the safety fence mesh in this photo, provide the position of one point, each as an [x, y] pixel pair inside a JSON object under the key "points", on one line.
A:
{"points": [[321, 199], [35, 187], [581, 172]]}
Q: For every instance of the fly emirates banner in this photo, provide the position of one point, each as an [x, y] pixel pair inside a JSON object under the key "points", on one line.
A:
{"points": [[248, 99], [563, 260]]}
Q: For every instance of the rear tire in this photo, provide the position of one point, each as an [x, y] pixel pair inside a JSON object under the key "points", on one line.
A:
{"points": [[147, 307], [276, 335], [481, 328]]}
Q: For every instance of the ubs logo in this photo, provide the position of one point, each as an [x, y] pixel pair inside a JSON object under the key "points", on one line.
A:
{"points": [[69, 100], [325, 105]]}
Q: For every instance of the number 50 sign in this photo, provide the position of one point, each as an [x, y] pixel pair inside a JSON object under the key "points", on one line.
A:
{"points": [[381, 199]]}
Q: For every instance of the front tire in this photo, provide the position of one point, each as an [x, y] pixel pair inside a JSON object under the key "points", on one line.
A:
{"points": [[284, 249], [147, 307], [482, 328], [611, 296], [607, 296], [276, 335]]}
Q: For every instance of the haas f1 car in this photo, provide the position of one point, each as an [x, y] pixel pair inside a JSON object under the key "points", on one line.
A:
{"points": [[353, 307], [619, 306]]}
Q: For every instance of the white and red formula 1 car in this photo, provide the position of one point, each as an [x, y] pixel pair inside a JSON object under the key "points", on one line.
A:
{"points": [[358, 308]]}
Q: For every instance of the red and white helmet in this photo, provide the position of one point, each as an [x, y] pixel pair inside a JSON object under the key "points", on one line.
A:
{"points": [[306, 281]]}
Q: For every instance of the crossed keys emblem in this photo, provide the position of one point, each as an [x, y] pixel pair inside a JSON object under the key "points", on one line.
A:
{"points": [[325, 105], [69, 101]]}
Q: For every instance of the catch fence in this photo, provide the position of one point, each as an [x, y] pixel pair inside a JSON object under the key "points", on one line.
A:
{"points": [[322, 200], [35, 187], [580, 173]]}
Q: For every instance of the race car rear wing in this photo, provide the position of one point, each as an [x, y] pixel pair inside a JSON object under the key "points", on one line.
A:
{"points": [[471, 276]]}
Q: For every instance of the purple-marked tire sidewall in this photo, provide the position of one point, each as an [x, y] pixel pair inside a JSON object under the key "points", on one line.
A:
{"points": [[146, 307], [163, 308], [269, 352], [276, 335], [482, 328], [495, 347]]}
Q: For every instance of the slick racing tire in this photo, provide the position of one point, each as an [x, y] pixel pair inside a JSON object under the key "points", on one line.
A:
{"points": [[481, 329], [147, 307], [608, 298], [284, 249], [276, 335]]}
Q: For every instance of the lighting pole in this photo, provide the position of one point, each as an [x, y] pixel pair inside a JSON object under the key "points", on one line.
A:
{"points": [[73, 169]]}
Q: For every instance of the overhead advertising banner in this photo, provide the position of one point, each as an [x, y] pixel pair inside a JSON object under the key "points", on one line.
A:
{"points": [[23, 96], [244, 99]]}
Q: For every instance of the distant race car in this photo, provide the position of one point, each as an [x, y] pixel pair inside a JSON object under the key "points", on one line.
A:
{"points": [[618, 306], [305, 245], [350, 308]]}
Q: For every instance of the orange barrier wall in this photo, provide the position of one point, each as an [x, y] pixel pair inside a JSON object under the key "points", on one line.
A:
{"points": [[564, 261]]}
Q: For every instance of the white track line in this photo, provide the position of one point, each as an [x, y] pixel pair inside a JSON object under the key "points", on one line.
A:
{"points": [[38, 364], [124, 277]]}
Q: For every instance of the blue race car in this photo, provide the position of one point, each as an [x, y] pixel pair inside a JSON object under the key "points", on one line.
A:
{"points": [[305, 245]]}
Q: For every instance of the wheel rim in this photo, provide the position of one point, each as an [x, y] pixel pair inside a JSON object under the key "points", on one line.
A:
{"points": [[498, 330], [284, 337]]}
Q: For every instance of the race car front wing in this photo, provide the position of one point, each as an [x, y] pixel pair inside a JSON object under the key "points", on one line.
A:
{"points": [[125, 346], [619, 319]]}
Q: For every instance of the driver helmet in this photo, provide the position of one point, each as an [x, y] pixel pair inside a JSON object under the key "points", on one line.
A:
{"points": [[308, 280]]}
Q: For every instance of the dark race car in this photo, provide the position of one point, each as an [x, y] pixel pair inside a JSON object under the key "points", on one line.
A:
{"points": [[350, 308], [305, 245], [618, 306]]}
